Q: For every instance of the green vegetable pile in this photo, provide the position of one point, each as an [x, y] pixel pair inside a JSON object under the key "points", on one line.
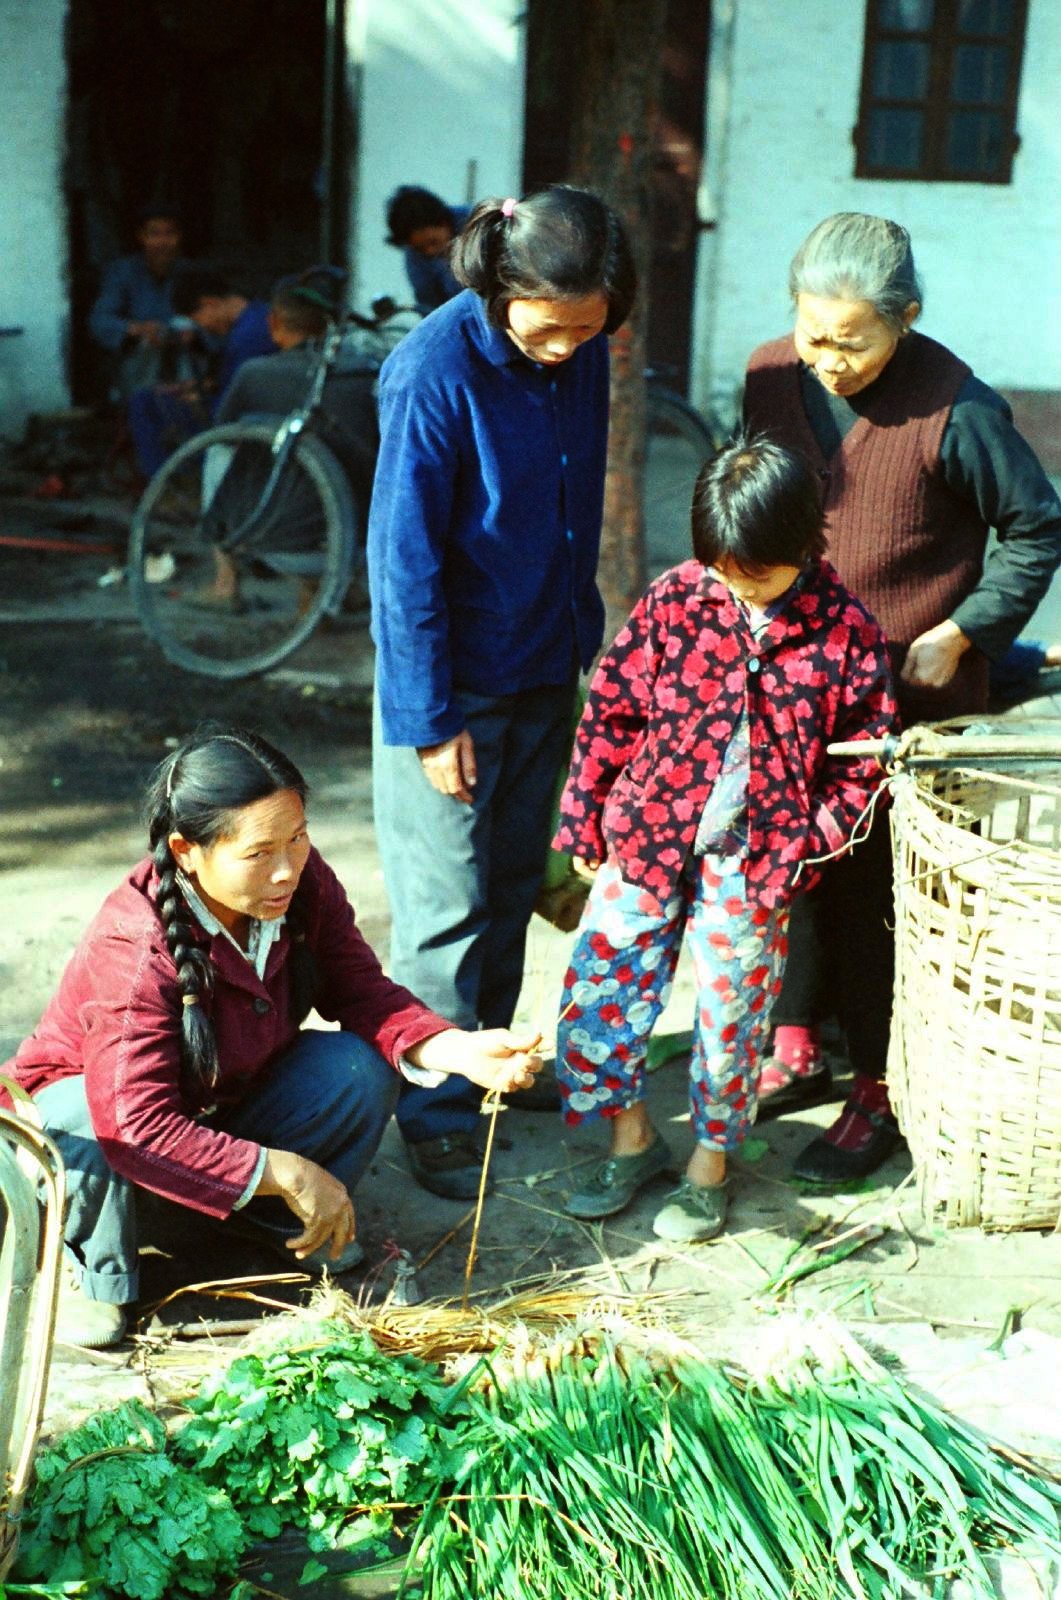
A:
{"points": [[612, 1466], [309, 1428], [604, 1475], [110, 1509]]}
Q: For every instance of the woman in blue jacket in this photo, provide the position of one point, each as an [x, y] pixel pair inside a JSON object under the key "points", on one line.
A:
{"points": [[483, 542]]}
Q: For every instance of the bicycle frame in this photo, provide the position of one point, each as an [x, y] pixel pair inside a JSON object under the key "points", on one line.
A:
{"points": [[287, 435]]}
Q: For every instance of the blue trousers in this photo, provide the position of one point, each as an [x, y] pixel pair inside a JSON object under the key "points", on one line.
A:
{"points": [[329, 1098], [159, 422], [462, 879]]}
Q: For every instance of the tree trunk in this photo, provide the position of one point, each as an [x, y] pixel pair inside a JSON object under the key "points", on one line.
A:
{"points": [[612, 153]]}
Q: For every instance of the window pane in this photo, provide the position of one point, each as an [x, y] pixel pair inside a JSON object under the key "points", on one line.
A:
{"points": [[894, 138], [905, 16], [900, 70], [974, 143], [994, 17], [979, 74]]}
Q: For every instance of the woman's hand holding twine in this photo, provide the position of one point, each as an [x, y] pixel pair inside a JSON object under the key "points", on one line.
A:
{"points": [[494, 1058], [450, 766], [319, 1201]]}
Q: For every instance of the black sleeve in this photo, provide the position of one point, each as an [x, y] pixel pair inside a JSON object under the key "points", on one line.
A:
{"points": [[985, 459]]}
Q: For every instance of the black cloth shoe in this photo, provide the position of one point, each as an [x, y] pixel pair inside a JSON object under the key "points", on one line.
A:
{"points": [[450, 1166], [797, 1090], [543, 1094], [829, 1164]]}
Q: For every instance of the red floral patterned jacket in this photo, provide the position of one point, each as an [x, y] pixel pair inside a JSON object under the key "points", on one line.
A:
{"points": [[666, 700]]}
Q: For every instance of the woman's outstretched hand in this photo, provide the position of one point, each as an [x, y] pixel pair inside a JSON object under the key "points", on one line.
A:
{"points": [[494, 1058], [319, 1201], [450, 767]]}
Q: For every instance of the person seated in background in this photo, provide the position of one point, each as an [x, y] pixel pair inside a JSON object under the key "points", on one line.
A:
{"points": [[133, 319], [424, 227], [163, 416], [301, 308], [1017, 676]]}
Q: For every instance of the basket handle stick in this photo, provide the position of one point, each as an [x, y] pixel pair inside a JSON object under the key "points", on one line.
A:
{"points": [[949, 748]]}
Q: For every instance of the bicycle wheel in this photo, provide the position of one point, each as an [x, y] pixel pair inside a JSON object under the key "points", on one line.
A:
{"points": [[225, 585], [677, 443]]}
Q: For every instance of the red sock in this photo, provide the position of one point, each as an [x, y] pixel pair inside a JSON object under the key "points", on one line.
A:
{"points": [[853, 1130]]}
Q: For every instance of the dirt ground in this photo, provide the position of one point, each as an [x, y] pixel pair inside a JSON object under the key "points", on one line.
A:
{"points": [[87, 707]]}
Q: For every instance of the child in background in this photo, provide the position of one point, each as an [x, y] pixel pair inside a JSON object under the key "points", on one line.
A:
{"points": [[700, 782]]}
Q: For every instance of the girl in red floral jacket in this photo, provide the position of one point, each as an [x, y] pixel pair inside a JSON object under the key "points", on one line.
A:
{"points": [[701, 788]]}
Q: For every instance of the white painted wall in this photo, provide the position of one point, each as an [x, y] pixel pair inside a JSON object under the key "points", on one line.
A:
{"points": [[440, 84], [33, 289], [989, 255]]}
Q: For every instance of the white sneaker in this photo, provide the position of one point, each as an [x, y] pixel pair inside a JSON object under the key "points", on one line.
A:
{"points": [[89, 1324]]}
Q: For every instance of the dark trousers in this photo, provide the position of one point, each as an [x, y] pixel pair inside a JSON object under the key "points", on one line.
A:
{"points": [[462, 879], [329, 1097], [159, 422], [841, 952]]}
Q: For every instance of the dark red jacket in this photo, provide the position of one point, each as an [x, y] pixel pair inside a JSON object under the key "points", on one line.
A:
{"points": [[116, 1018], [666, 700]]}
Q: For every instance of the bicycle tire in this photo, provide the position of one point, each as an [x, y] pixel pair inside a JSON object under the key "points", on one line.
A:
{"points": [[677, 443], [291, 568]]}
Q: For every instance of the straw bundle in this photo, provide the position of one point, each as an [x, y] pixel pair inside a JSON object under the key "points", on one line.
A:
{"points": [[975, 1062]]}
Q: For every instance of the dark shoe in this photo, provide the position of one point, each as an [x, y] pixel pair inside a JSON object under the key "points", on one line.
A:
{"points": [[321, 1260], [543, 1094], [612, 1185], [861, 1139], [793, 1075], [450, 1166], [273, 1240], [693, 1214], [783, 1088]]}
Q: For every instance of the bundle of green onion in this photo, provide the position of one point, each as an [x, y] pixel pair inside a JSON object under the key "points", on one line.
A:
{"points": [[602, 1473]]}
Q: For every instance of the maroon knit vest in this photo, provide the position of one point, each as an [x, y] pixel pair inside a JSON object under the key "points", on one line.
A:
{"points": [[901, 541]]}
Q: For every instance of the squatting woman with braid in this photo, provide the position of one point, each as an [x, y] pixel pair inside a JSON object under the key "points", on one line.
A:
{"points": [[172, 1056]]}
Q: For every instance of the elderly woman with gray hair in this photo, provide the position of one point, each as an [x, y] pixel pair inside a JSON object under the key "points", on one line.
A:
{"points": [[918, 460]]}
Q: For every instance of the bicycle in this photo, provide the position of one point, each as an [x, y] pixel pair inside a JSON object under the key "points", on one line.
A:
{"points": [[678, 440], [249, 535]]}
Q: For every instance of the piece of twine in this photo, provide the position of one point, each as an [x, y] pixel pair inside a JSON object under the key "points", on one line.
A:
{"points": [[493, 1101]]}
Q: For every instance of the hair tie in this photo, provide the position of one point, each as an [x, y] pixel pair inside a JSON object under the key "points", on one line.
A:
{"points": [[189, 999], [508, 207]]}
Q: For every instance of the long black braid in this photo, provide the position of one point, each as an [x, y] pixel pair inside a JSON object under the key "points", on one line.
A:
{"points": [[196, 792]]}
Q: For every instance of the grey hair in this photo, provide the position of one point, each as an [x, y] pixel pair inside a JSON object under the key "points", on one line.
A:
{"points": [[853, 256]]}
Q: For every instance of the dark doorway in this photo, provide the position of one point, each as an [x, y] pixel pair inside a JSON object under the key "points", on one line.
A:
{"points": [[553, 42], [217, 107]]}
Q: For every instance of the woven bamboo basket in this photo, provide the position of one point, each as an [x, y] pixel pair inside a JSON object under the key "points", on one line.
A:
{"points": [[975, 1064]]}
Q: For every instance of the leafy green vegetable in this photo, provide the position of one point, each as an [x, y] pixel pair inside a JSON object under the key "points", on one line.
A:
{"points": [[317, 1424], [109, 1509]]}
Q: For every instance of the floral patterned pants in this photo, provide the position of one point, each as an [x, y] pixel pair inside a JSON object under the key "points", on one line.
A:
{"points": [[620, 978]]}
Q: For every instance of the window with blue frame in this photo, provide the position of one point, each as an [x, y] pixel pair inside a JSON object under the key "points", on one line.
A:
{"points": [[940, 81]]}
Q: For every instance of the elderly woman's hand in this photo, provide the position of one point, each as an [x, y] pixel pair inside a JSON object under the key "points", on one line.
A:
{"points": [[494, 1058], [932, 659]]}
